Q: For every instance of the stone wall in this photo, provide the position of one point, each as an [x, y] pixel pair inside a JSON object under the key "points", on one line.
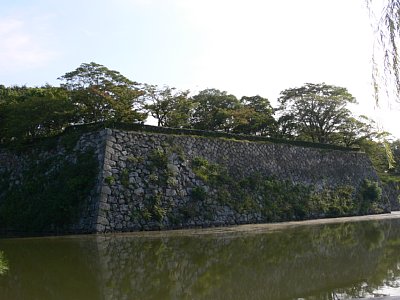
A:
{"points": [[141, 193], [52, 154], [146, 181], [392, 191]]}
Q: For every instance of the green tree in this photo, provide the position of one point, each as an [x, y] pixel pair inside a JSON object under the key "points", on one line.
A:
{"points": [[16, 93], [314, 111], [27, 113], [181, 114], [353, 130], [102, 94], [377, 153], [395, 146], [254, 116], [287, 127], [171, 108], [213, 110]]}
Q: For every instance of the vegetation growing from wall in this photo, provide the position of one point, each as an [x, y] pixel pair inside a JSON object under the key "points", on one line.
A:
{"points": [[49, 195], [368, 197], [386, 166], [151, 209], [282, 200]]}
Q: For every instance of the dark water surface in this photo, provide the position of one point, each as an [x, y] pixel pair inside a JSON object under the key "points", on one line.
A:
{"points": [[324, 261]]}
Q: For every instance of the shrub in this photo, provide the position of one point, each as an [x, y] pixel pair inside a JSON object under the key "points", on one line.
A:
{"points": [[135, 160], [200, 167], [370, 191], [206, 171], [159, 212], [199, 193], [153, 178], [188, 211], [158, 158], [110, 180], [281, 200], [125, 178], [146, 214], [153, 209], [368, 196], [333, 202]]}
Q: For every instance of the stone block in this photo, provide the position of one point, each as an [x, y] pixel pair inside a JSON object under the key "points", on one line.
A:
{"points": [[106, 190], [100, 228], [110, 150], [117, 147], [102, 220], [104, 206], [138, 191], [170, 192]]}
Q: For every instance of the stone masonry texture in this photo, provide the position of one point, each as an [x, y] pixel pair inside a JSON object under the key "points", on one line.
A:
{"points": [[135, 192]]}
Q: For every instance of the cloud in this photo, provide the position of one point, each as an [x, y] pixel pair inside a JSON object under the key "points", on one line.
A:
{"points": [[140, 3], [7, 26], [20, 48]]}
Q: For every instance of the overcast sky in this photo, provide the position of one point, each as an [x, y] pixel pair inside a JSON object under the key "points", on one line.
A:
{"points": [[245, 47]]}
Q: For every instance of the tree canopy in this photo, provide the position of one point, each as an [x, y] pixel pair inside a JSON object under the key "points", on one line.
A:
{"points": [[94, 93], [102, 94], [255, 115], [213, 110], [171, 108], [28, 113], [314, 111]]}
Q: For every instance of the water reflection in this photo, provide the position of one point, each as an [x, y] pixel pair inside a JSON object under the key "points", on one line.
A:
{"points": [[335, 261], [3, 264]]}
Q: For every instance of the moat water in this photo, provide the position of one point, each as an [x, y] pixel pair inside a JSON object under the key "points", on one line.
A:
{"points": [[343, 260]]}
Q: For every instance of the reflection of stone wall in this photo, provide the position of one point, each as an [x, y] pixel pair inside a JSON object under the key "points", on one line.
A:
{"points": [[149, 182], [281, 265], [287, 264]]}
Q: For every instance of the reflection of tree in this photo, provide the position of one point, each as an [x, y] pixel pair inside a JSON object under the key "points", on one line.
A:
{"points": [[312, 262], [308, 262], [384, 237], [47, 269], [3, 264], [373, 235]]}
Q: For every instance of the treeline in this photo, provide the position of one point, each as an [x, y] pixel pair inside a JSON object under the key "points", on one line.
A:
{"points": [[94, 93]]}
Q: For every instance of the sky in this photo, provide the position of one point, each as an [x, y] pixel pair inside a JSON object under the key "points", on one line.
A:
{"points": [[244, 47]]}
